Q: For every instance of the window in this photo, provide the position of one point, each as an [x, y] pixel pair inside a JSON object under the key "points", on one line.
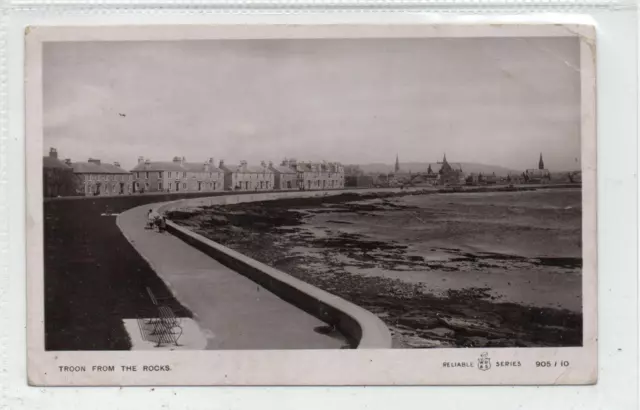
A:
{"points": [[184, 175], [159, 186], [184, 186], [169, 174], [146, 175], [137, 175], [160, 174]]}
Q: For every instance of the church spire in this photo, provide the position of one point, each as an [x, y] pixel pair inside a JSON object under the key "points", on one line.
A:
{"points": [[541, 162], [397, 167]]}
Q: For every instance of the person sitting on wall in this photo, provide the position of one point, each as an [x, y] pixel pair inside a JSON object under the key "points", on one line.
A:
{"points": [[161, 223], [152, 217]]}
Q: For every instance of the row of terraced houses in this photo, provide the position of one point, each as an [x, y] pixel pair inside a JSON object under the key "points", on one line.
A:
{"points": [[65, 178]]}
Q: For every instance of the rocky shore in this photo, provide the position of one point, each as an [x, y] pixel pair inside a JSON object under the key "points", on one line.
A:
{"points": [[496, 269]]}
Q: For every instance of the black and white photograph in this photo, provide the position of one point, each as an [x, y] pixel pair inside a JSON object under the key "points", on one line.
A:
{"points": [[315, 194]]}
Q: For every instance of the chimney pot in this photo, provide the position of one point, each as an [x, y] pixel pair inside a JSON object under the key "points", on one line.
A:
{"points": [[53, 153], [68, 161]]}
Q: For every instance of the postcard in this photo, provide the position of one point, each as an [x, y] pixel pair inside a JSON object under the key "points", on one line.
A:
{"points": [[311, 205]]}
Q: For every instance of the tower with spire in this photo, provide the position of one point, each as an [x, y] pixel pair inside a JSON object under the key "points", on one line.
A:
{"points": [[541, 162], [445, 165], [397, 167]]}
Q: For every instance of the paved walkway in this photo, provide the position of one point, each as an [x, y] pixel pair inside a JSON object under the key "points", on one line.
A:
{"points": [[234, 312]]}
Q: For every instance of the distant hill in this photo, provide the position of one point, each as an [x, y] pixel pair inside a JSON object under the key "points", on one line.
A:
{"points": [[467, 168]]}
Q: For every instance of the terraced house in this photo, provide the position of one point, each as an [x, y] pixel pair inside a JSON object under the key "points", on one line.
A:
{"points": [[319, 175], [244, 177], [96, 178], [58, 178], [177, 175], [285, 177]]}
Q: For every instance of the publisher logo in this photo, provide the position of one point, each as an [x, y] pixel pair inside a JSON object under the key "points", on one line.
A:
{"points": [[484, 362]]}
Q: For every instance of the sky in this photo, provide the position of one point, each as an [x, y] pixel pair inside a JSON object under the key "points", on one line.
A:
{"points": [[486, 100]]}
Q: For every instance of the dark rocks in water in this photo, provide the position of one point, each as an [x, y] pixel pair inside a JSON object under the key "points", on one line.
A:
{"points": [[418, 322], [340, 222], [501, 343], [439, 332], [477, 341]]}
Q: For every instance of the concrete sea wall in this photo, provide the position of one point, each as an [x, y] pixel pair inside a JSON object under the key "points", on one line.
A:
{"points": [[362, 328]]}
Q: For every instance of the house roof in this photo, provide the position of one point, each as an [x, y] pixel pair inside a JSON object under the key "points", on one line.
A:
{"points": [[51, 162], [174, 166], [93, 168], [253, 169], [284, 169], [319, 166]]}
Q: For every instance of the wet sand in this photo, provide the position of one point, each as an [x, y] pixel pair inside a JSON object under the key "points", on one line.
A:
{"points": [[442, 270]]}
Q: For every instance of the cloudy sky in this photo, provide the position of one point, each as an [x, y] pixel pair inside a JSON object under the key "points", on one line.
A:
{"points": [[491, 101]]}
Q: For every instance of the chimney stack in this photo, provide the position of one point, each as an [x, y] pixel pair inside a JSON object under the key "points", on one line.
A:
{"points": [[147, 161], [140, 160], [263, 164], [211, 160], [117, 164], [176, 159], [94, 161], [68, 161], [53, 153], [221, 163], [183, 160]]}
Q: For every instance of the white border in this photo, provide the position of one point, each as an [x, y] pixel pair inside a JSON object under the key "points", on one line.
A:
{"points": [[309, 367], [617, 114]]}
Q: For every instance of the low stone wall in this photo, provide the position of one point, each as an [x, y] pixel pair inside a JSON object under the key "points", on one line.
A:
{"points": [[362, 328]]}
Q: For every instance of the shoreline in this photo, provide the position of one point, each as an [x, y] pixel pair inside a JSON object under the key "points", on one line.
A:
{"points": [[462, 317]]}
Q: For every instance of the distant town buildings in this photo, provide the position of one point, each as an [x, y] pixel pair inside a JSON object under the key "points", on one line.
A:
{"points": [[66, 178], [537, 176], [450, 175], [359, 181], [440, 173], [176, 175]]}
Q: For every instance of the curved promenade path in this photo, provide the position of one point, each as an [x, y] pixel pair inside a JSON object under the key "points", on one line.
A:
{"points": [[233, 311]]}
